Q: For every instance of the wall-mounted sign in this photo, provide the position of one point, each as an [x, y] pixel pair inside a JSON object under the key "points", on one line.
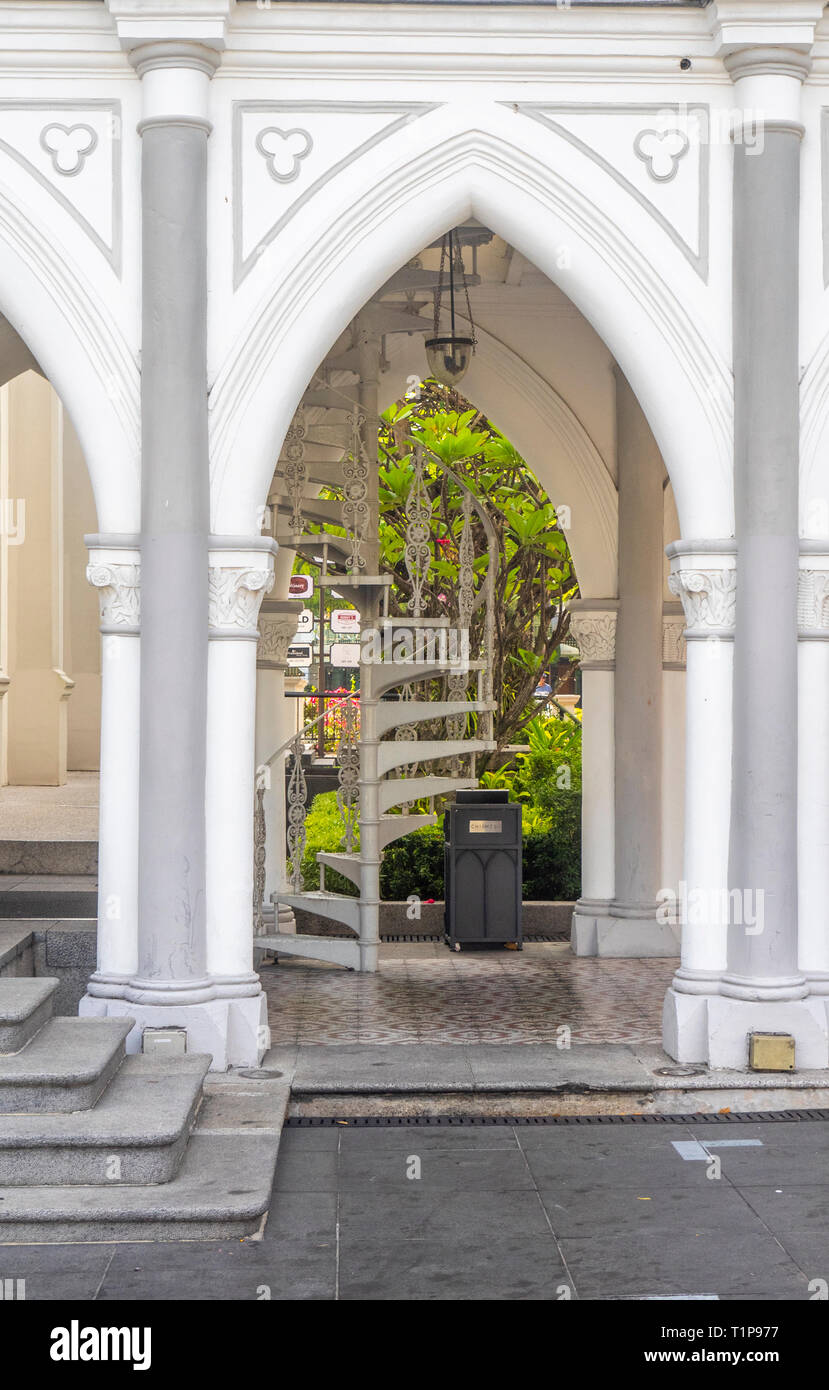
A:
{"points": [[345, 620], [300, 654], [300, 586], [344, 654], [305, 621], [485, 827]]}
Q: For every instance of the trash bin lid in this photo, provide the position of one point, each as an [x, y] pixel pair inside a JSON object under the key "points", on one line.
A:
{"points": [[483, 796]]}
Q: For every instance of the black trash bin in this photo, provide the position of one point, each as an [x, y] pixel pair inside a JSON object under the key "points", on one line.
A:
{"points": [[482, 869]]}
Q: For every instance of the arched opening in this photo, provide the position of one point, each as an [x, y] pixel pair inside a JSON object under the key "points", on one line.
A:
{"points": [[542, 367], [68, 704]]}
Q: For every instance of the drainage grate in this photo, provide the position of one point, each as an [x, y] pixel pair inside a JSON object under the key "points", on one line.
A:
{"points": [[420, 937], [464, 1121], [528, 936], [438, 936]]}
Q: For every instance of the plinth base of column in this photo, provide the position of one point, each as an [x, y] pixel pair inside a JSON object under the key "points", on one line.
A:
{"points": [[714, 1029], [107, 985], [234, 1031], [623, 931], [818, 981], [285, 919], [583, 926]]}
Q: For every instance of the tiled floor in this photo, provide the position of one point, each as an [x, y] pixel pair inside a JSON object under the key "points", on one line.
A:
{"points": [[426, 994]]}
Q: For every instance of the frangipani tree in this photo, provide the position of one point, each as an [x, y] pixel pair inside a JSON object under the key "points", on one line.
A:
{"points": [[535, 573]]}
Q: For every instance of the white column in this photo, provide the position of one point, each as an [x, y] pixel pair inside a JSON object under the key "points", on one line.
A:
{"points": [[275, 723], [673, 744], [631, 926], [114, 570], [593, 628], [813, 766], [704, 576], [240, 574]]}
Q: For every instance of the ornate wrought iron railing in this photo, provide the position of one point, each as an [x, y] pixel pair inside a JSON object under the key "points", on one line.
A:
{"points": [[348, 800]]}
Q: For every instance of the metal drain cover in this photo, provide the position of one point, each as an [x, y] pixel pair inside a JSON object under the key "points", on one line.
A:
{"points": [[681, 1071], [261, 1074]]}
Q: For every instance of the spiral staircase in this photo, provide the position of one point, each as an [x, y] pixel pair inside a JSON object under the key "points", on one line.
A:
{"points": [[386, 771]]}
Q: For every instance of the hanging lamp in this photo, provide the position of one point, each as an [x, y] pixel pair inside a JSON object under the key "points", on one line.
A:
{"points": [[449, 355]]}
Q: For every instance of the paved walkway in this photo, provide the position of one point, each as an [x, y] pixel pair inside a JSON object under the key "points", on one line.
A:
{"points": [[507, 1213], [69, 812], [425, 993]]}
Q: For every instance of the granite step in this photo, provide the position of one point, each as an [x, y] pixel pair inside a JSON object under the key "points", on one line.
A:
{"points": [[25, 1008], [135, 1135], [48, 895], [221, 1191], [66, 1066], [48, 856]]}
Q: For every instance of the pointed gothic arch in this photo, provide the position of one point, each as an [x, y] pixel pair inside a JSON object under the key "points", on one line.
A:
{"points": [[631, 296]]}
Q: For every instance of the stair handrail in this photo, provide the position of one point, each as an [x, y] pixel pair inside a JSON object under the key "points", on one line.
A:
{"points": [[296, 836], [311, 724]]}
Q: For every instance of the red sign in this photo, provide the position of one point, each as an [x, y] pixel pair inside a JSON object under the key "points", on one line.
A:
{"points": [[300, 586]]}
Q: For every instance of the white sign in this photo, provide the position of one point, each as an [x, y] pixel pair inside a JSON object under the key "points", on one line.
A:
{"points": [[300, 586], [345, 620], [345, 654], [305, 621], [300, 655]]}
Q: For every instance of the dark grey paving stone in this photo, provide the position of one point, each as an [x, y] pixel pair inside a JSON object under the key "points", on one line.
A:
{"points": [[46, 1287], [309, 1214], [809, 1251], [793, 1214], [728, 1264], [422, 1139], [59, 1258], [578, 1210], [308, 1140], [418, 1214], [431, 1270], [307, 1172], [294, 1269], [788, 1154], [442, 1170], [597, 1159]]}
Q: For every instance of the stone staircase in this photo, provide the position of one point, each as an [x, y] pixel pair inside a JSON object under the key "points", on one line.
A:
{"points": [[332, 444], [54, 879], [98, 1146], [380, 793]]}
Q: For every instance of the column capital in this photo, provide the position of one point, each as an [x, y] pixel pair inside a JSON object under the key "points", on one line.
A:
{"points": [[114, 569], [593, 627], [277, 625], [175, 50], [767, 61], [704, 577], [813, 596], [240, 574], [673, 636], [140, 22], [763, 25]]}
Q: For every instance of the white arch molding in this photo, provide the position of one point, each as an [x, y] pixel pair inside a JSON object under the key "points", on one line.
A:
{"points": [[65, 325], [549, 435], [646, 322], [814, 446]]}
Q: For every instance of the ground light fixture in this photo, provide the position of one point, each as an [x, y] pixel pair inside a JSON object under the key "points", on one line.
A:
{"points": [[449, 355]]}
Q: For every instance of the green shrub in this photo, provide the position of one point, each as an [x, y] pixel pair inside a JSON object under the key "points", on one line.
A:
{"points": [[413, 865], [324, 831], [547, 782]]}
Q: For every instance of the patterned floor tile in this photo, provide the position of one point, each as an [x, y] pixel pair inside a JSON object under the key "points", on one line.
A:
{"points": [[472, 997]]}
